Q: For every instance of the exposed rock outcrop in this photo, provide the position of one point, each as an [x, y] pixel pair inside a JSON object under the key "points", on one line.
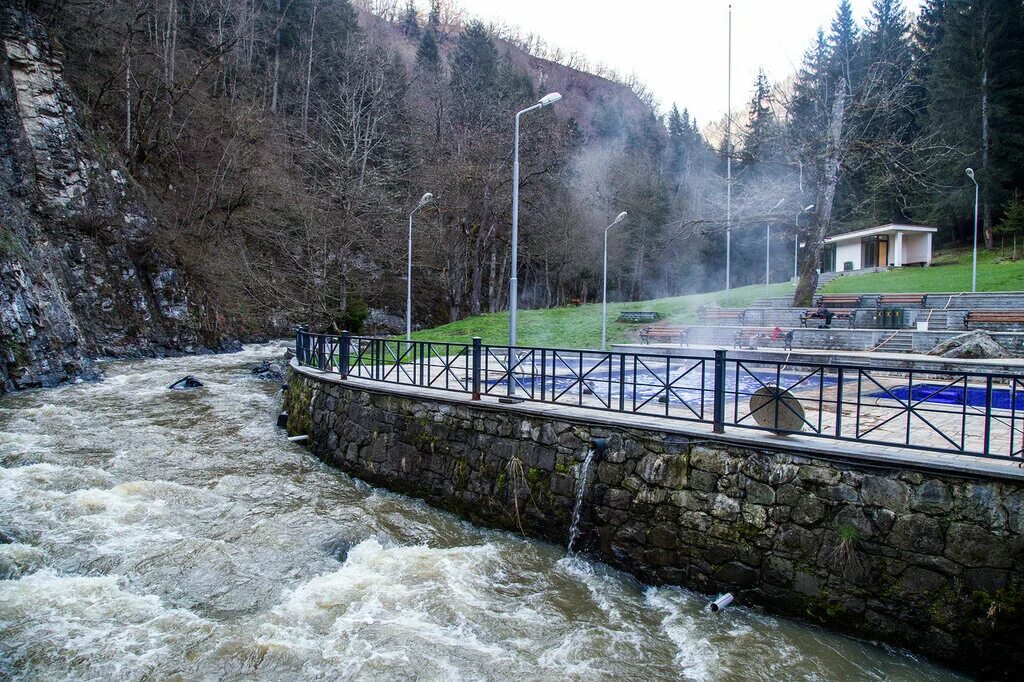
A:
{"points": [[79, 276], [974, 344]]}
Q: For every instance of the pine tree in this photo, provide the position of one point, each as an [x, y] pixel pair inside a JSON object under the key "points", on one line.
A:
{"points": [[427, 54], [677, 133], [761, 141], [843, 42], [410, 23], [474, 78], [975, 92]]}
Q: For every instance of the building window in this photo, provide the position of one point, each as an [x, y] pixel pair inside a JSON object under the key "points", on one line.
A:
{"points": [[828, 258], [874, 251]]}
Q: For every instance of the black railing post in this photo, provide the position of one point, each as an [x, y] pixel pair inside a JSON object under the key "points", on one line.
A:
{"points": [[988, 413], [344, 349], [719, 392], [476, 367], [840, 379], [298, 344]]}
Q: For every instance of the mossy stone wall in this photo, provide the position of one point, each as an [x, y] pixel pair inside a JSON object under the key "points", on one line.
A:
{"points": [[930, 561]]}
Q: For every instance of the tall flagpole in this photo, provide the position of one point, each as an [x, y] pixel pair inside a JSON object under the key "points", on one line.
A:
{"points": [[728, 164]]}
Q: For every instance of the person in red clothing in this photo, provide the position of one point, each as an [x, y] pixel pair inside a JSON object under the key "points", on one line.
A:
{"points": [[776, 333]]}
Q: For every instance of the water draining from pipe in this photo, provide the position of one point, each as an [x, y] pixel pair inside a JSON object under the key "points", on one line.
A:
{"points": [[581, 488]]}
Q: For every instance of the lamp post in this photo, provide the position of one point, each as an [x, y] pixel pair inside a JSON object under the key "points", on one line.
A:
{"points": [[408, 275], [796, 237], [513, 284], [604, 281], [974, 257]]}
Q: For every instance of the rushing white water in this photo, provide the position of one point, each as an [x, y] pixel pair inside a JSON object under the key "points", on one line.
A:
{"points": [[163, 534], [581, 488]]}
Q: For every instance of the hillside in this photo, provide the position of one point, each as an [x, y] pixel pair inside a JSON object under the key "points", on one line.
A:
{"points": [[166, 190], [580, 326], [949, 272]]}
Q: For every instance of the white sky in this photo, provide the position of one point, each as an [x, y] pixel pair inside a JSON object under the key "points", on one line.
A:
{"points": [[678, 47]]}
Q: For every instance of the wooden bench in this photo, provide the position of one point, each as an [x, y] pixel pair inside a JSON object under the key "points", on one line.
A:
{"points": [[901, 300], [722, 315], [638, 316], [749, 338], [993, 317], [848, 316], [575, 302], [669, 332], [840, 300]]}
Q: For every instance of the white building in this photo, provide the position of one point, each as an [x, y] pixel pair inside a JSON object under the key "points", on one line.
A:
{"points": [[878, 247]]}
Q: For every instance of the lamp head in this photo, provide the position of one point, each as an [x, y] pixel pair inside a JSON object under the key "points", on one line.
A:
{"points": [[549, 99], [970, 173], [808, 208], [619, 218], [427, 198]]}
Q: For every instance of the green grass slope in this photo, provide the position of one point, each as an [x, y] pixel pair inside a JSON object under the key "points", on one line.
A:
{"points": [[580, 327], [949, 272]]}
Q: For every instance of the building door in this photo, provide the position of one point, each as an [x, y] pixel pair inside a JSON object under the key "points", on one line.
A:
{"points": [[874, 252], [828, 258]]}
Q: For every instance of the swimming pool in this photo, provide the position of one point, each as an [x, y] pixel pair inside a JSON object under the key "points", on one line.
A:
{"points": [[1002, 398]]}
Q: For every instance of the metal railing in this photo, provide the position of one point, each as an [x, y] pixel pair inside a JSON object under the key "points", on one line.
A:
{"points": [[936, 410]]}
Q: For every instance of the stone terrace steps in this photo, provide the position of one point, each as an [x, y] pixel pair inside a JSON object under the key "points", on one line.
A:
{"points": [[902, 342]]}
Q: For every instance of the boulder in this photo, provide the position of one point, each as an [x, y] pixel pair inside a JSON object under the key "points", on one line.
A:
{"points": [[186, 383], [973, 344], [269, 371]]}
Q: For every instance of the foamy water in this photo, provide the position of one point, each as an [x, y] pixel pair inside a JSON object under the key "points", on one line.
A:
{"points": [[161, 534]]}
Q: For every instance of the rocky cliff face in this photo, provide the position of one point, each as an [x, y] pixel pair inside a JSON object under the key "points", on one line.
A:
{"points": [[79, 276]]}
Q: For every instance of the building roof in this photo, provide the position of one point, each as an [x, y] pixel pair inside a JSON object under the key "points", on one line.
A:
{"points": [[881, 229]]}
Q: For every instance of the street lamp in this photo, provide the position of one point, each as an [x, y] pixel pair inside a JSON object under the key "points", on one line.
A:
{"points": [[513, 284], [604, 280], [796, 236], [974, 257], [408, 276]]}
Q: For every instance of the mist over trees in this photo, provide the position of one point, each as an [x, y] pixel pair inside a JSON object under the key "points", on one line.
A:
{"points": [[283, 143]]}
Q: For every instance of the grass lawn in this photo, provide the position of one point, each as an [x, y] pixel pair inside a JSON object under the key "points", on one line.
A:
{"points": [[949, 272], [580, 327]]}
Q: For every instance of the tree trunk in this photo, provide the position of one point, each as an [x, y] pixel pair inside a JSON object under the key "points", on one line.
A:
{"points": [[815, 239], [309, 69], [985, 115], [492, 280]]}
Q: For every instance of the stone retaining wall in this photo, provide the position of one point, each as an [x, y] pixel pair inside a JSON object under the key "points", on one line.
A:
{"points": [[923, 559]]}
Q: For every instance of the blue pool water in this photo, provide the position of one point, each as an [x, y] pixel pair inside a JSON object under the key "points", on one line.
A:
{"points": [[1002, 398]]}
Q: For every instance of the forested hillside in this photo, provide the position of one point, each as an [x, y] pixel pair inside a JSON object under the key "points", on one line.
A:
{"points": [[276, 148], [283, 143]]}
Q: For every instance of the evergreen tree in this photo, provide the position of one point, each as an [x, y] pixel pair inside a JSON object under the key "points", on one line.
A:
{"points": [[884, 116], [975, 106], [410, 23], [434, 20], [761, 143], [427, 54], [844, 60], [677, 133], [474, 79]]}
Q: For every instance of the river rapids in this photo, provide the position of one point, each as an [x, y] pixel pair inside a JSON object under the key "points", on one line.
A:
{"points": [[156, 534]]}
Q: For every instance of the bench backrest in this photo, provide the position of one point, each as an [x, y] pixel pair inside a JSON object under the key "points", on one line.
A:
{"points": [[638, 316], [996, 315], [902, 298], [840, 299]]}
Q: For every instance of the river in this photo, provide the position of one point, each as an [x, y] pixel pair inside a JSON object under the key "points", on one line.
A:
{"points": [[154, 534]]}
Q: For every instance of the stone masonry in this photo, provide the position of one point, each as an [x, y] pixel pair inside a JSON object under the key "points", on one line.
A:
{"points": [[923, 559]]}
